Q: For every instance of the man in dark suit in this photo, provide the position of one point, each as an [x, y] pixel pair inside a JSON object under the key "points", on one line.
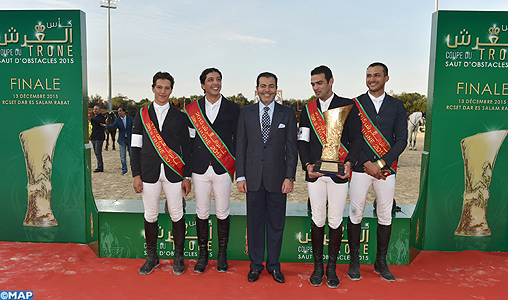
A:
{"points": [[327, 191], [265, 170], [161, 160], [97, 136], [124, 124], [384, 129], [213, 122]]}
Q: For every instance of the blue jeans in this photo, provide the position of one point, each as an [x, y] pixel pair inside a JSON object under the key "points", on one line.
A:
{"points": [[123, 159]]}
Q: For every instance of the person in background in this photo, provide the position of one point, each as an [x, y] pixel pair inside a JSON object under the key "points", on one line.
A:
{"points": [[124, 124], [97, 137]]}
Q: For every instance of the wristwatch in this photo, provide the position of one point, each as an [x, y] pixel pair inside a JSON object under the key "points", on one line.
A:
{"points": [[290, 179]]}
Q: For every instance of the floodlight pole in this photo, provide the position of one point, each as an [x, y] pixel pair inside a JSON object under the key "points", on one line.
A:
{"points": [[109, 4]]}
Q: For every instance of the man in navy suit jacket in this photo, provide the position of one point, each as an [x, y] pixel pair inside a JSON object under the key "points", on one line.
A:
{"points": [[211, 171], [266, 158], [387, 115], [124, 125]]}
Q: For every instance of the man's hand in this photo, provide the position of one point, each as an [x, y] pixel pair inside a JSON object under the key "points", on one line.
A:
{"points": [[347, 171], [138, 184], [242, 186], [287, 186], [373, 170], [186, 186], [311, 173]]}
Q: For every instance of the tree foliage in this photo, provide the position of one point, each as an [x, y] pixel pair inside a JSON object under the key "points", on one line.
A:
{"points": [[412, 101], [94, 100]]}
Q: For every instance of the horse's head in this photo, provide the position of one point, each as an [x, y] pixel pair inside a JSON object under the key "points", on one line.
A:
{"points": [[110, 118]]}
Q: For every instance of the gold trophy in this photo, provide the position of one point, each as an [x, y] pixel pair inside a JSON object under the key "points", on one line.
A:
{"points": [[329, 162], [38, 146], [479, 153]]}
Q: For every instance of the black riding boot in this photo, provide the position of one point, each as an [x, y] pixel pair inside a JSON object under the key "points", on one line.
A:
{"points": [[317, 234], [353, 237], [333, 251], [223, 235], [383, 239], [152, 259], [179, 240], [202, 229]]}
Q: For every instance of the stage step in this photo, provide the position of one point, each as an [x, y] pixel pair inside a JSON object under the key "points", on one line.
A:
{"points": [[121, 233]]}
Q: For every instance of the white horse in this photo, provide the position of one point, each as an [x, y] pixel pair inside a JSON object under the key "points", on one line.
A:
{"points": [[414, 122]]}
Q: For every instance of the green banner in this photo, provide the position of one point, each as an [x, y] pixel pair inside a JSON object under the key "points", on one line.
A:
{"points": [[463, 203], [44, 184], [122, 234]]}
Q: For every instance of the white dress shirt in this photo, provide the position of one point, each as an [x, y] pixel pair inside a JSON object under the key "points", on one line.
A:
{"points": [[325, 104], [212, 110], [304, 132], [262, 111], [161, 112], [377, 101]]}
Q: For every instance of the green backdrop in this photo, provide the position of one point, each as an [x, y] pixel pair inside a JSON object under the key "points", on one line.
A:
{"points": [[468, 96], [42, 82]]}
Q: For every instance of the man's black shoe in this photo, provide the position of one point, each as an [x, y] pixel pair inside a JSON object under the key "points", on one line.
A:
{"points": [[253, 275], [278, 276], [98, 170]]}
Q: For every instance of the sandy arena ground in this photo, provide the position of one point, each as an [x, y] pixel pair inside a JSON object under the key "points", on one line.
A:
{"points": [[112, 185]]}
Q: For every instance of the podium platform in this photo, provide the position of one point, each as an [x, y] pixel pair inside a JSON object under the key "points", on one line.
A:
{"points": [[121, 233]]}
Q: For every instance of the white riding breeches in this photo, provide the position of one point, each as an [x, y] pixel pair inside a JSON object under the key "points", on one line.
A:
{"points": [[325, 190], [204, 184], [152, 194], [384, 189]]}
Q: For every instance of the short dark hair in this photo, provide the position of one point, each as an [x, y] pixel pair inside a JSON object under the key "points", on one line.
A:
{"points": [[162, 75], [322, 70], [202, 77], [379, 64], [205, 72], [121, 108], [266, 75]]}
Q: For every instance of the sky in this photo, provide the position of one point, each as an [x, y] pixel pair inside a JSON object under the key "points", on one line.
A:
{"points": [[243, 38]]}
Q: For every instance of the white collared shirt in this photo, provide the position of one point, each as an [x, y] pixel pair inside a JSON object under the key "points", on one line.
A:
{"points": [[325, 104], [262, 111], [377, 101], [161, 112], [304, 132], [212, 110]]}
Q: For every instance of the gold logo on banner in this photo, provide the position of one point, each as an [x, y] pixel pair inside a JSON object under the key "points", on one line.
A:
{"points": [[38, 145], [479, 153]]}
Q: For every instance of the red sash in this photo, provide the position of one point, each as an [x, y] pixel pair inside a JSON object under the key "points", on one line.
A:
{"points": [[318, 125], [210, 138], [374, 137], [170, 158]]}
